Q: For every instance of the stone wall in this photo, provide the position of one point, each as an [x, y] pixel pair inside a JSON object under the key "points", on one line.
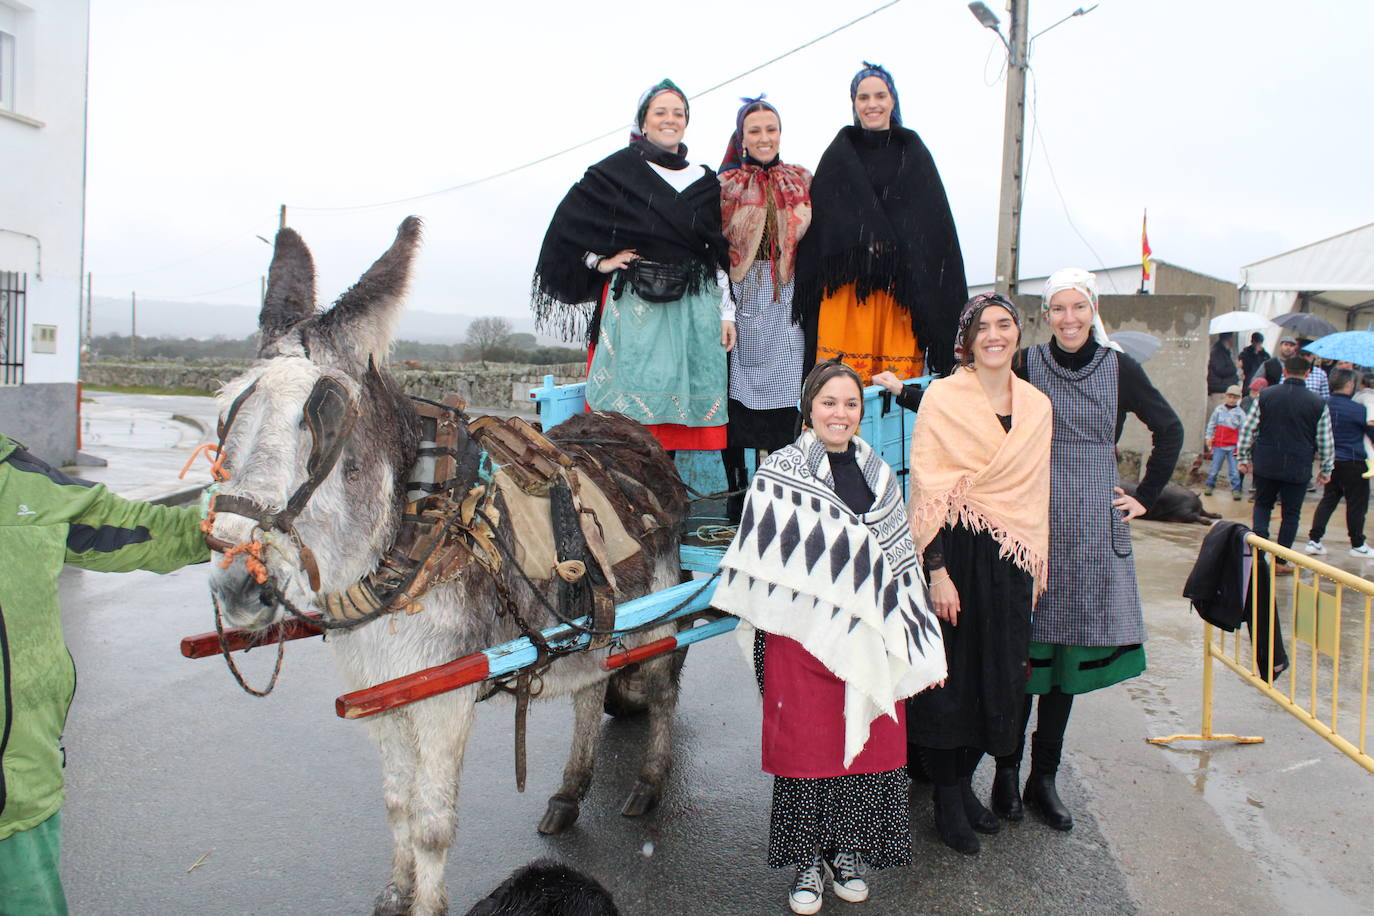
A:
{"points": [[496, 385]]}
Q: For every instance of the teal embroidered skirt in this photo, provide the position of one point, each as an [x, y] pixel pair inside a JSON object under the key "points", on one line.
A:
{"points": [[662, 363]]}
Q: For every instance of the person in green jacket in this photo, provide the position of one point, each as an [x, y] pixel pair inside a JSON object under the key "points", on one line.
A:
{"points": [[48, 519]]}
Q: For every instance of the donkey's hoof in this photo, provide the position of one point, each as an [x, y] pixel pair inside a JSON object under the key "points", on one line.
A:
{"points": [[561, 814], [643, 798], [391, 902]]}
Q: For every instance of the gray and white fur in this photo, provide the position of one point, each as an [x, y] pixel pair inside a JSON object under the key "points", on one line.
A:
{"points": [[348, 523]]}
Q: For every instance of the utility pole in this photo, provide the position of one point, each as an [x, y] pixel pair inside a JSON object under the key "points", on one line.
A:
{"points": [[90, 308], [1009, 204], [133, 326]]}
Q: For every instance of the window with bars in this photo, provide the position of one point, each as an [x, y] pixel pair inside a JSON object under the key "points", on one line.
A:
{"points": [[13, 288]]}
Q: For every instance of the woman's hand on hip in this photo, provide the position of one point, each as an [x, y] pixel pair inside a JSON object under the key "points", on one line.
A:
{"points": [[727, 335], [1130, 506], [945, 597], [617, 261]]}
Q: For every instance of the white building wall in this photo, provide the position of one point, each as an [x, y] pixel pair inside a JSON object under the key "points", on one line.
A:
{"points": [[42, 159]]}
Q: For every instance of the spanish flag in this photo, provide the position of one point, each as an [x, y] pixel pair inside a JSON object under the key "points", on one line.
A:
{"points": [[1144, 250]]}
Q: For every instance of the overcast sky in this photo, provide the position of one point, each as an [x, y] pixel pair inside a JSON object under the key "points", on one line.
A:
{"points": [[1243, 127]]}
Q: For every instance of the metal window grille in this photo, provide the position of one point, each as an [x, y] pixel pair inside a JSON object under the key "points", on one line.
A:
{"points": [[13, 290]]}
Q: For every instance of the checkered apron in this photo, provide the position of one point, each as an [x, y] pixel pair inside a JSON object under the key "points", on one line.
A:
{"points": [[765, 366], [1091, 599]]}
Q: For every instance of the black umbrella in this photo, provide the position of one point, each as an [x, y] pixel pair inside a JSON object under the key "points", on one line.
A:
{"points": [[1305, 324]]}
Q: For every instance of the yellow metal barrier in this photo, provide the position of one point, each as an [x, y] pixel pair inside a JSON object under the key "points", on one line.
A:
{"points": [[1315, 621]]}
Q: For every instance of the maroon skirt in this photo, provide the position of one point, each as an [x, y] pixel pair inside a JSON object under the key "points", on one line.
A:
{"points": [[803, 720]]}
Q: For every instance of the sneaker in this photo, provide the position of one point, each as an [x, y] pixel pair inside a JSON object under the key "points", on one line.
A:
{"points": [[805, 898], [1282, 569], [1364, 551], [845, 879], [1207, 492], [1316, 549], [1235, 496]]}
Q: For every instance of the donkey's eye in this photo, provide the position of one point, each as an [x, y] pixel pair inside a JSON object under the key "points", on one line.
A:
{"points": [[352, 470]]}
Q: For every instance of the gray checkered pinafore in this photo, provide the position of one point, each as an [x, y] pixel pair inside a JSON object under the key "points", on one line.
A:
{"points": [[1091, 599]]}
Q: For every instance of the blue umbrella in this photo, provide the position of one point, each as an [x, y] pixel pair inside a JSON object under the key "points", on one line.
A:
{"points": [[1352, 346]]}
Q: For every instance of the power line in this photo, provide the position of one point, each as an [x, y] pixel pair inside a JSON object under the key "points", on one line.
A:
{"points": [[599, 137]]}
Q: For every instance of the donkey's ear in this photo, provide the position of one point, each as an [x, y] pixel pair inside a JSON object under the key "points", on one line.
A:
{"points": [[361, 322], [290, 286]]}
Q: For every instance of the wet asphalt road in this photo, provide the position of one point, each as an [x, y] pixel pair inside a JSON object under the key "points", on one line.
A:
{"points": [[188, 796], [169, 761]]}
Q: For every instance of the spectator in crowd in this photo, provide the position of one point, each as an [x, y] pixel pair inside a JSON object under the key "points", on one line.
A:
{"points": [[1364, 394], [1287, 427], [1221, 369], [1252, 357], [1223, 428], [1316, 376], [1349, 426], [1273, 367]]}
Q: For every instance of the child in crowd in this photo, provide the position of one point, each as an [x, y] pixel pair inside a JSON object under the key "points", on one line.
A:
{"points": [[1223, 429]]}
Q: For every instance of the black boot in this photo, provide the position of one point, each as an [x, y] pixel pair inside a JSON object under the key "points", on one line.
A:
{"points": [[951, 822], [979, 818], [736, 479], [1006, 797], [1041, 796]]}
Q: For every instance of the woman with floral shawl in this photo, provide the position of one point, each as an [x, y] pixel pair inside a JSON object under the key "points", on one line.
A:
{"points": [[765, 207]]}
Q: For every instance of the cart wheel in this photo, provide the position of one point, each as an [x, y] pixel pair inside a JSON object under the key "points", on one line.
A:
{"points": [[625, 692]]}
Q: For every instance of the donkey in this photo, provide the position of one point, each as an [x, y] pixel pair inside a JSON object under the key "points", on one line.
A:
{"points": [[273, 451]]}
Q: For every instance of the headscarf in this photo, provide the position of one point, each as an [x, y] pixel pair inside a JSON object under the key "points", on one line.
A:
{"points": [[735, 154], [1085, 282], [879, 71], [663, 85], [973, 310]]}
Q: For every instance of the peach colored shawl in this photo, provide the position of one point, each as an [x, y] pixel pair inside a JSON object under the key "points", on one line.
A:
{"points": [[966, 469]]}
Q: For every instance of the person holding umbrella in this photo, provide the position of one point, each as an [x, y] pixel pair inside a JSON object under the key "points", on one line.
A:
{"points": [[1252, 357], [1222, 371]]}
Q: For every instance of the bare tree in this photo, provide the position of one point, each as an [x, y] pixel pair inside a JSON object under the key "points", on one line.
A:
{"points": [[486, 334]]}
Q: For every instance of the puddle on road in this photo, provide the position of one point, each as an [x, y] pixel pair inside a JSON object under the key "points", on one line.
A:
{"points": [[139, 432], [1240, 813]]}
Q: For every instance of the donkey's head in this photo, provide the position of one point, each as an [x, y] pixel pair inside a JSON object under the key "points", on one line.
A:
{"points": [[314, 436]]}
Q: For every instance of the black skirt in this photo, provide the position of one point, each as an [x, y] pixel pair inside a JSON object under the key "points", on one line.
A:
{"points": [[769, 430], [987, 653]]}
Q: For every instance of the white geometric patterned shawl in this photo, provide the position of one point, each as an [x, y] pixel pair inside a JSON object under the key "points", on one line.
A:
{"points": [[848, 587]]}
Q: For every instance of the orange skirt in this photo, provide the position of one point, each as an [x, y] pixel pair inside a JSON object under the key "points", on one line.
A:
{"points": [[871, 336]]}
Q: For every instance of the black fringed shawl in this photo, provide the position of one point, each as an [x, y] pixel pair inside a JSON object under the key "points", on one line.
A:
{"points": [[621, 203], [880, 220]]}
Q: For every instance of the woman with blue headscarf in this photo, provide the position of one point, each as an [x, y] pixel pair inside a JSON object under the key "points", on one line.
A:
{"points": [[880, 275], [635, 259]]}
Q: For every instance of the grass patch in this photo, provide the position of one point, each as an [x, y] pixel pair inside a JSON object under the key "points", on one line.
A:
{"points": [[146, 389]]}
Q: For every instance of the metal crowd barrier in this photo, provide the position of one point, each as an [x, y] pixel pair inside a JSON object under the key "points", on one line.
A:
{"points": [[1330, 649]]}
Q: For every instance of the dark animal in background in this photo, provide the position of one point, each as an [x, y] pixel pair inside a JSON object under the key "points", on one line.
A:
{"points": [[547, 888], [1175, 504]]}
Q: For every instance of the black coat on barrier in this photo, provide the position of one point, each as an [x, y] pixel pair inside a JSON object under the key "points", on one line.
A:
{"points": [[1219, 588]]}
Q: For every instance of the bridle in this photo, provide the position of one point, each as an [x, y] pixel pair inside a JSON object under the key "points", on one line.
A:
{"points": [[330, 413]]}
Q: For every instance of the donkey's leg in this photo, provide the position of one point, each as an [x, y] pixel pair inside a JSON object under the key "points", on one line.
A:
{"points": [[577, 775], [397, 745], [661, 687], [442, 724]]}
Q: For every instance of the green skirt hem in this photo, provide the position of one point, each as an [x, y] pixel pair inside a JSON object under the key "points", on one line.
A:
{"points": [[1081, 669]]}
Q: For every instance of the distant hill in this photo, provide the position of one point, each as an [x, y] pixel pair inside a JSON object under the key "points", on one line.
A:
{"points": [[203, 321]]}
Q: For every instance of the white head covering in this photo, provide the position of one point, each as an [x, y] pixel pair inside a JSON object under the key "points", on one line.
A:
{"points": [[1085, 282]]}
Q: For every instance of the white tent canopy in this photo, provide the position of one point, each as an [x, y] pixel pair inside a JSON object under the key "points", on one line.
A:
{"points": [[1337, 273]]}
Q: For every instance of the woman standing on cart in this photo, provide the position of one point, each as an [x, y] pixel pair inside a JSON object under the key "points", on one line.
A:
{"points": [[635, 258], [980, 503], [825, 580], [1088, 631], [765, 206], [880, 276]]}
